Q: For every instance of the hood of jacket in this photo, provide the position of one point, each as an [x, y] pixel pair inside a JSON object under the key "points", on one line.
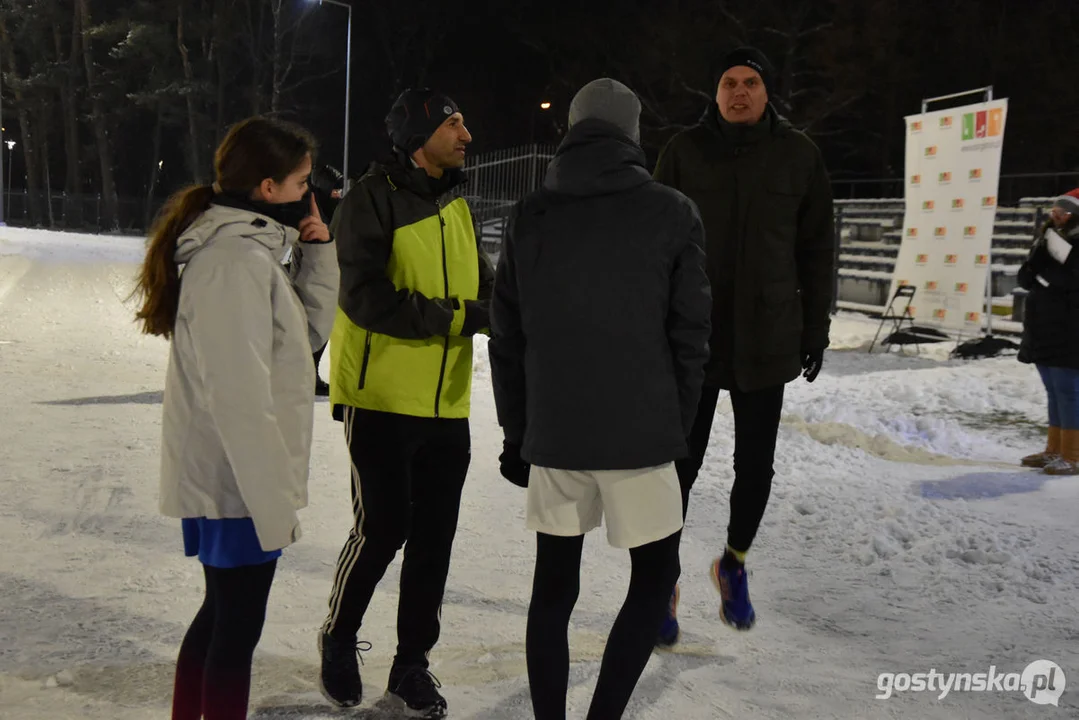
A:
{"points": [[399, 169], [220, 222], [596, 158]]}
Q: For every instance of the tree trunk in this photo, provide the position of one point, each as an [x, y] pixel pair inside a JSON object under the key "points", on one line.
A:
{"points": [[193, 162], [155, 169], [219, 64], [278, 72], [69, 108], [29, 145], [100, 122], [44, 120]]}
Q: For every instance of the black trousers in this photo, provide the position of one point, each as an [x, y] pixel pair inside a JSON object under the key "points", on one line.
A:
{"points": [[756, 424], [213, 671], [555, 587], [407, 477]]}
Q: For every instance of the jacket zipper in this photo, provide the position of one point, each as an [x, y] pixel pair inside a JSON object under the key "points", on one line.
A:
{"points": [[446, 294], [366, 358]]}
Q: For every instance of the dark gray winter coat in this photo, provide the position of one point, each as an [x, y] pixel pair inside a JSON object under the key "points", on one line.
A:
{"points": [[1051, 313], [600, 313], [766, 202]]}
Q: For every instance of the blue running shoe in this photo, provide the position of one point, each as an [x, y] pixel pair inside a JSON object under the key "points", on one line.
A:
{"points": [[733, 586], [669, 631]]}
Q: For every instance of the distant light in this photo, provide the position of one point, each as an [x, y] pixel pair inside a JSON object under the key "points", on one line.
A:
{"points": [[160, 163], [10, 144], [545, 105]]}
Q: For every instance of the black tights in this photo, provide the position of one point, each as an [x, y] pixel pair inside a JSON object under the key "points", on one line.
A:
{"points": [[213, 672], [554, 592]]}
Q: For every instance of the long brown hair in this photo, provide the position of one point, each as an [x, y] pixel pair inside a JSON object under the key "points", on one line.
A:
{"points": [[254, 149]]}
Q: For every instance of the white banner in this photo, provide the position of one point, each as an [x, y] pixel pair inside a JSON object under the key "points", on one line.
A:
{"points": [[952, 176]]}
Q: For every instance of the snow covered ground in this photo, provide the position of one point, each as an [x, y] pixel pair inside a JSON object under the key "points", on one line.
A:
{"points": [[901, 538]]}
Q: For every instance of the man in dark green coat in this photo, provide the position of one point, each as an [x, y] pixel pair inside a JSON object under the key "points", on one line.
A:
{"points": [[765, 199]]}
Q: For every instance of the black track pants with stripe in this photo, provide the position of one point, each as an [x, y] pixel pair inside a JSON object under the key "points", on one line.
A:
{"points": [[407, 477]]}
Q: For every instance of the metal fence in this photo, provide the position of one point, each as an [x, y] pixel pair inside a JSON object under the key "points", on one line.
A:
{"points": [[496, 181], [78, 212]]}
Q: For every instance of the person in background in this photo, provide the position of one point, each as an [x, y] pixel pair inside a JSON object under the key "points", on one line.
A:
{"points": [[415, 289], [238, 410], [599, 337], [1051, 331], [766, 202]]}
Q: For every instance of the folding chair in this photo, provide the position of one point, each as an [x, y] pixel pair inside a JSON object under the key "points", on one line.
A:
{"points": [[903, 291]]}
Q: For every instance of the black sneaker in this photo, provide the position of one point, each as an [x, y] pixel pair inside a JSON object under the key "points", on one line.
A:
{"points": [[322, 388], [339, 680], [413, 692]]}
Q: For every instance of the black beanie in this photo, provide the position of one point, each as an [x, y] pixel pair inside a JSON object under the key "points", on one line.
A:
{"points": [[415, 116], [751, 58]]}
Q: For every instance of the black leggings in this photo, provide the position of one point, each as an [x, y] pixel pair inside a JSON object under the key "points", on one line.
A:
{"points": [[756, 423], [213, 672], [554, 592]]}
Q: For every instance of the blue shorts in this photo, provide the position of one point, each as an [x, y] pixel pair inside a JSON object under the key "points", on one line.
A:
{"points": [[227, 543]]}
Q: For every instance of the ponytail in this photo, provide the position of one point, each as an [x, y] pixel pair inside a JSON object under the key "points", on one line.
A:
{"points": [[158, 283]]}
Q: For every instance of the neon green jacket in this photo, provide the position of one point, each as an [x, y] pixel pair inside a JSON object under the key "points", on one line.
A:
{"points": [[415, 287]]}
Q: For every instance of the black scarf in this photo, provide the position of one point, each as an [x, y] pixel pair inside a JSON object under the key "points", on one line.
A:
{"points": [[288, 214]]}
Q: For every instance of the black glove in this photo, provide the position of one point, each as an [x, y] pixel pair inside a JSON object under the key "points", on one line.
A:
{"points": [[512, 467], [812, 361], [477, 317]]}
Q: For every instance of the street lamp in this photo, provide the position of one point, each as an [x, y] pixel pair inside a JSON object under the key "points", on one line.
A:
{"points": [[2, 131], [348, 82], [10, 149], [545, 105]]}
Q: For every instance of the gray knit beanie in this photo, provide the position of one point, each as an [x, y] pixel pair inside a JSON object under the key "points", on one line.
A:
{"points": [[611, 101]]}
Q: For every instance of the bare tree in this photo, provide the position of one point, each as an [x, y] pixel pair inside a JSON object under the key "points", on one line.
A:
{"points": [[99, 120]]}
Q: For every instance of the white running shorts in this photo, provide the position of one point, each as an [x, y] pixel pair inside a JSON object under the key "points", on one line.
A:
{"points": [[640, 506]]}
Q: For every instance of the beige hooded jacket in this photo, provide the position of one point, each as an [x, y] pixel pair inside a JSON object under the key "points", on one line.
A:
{"points": [[239, 390]]}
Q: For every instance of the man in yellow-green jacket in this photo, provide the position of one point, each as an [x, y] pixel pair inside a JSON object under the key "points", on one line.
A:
{"points": [[415, 288]]}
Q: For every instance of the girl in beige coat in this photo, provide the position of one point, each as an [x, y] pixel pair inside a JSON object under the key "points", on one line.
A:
{"points": [[239, 401]]}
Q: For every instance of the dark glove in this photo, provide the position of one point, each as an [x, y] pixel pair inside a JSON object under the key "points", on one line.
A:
{"points": [[512, 467], [477, 317], [812, 362]]}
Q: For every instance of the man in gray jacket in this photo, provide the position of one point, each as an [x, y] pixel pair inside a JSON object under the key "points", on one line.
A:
{"points": [[599, 339]]}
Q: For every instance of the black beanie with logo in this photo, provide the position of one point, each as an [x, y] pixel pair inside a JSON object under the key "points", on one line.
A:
{"points": [[748, 57], [415, 116]]}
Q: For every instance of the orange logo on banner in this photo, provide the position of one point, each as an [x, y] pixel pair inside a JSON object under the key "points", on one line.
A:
{"points": [[940, 232], [931, 151], [946, 121], [981, 259], [922, 259], [944, 178], [912, 232], [990, 201], [961, 288], [916, 126], [951, 259], [957, 204], [970, 231], [996, 122], [973, 317], [904, 283], [931, 286], [976, 174], [928, 205], [915, 179], [939, 313]]}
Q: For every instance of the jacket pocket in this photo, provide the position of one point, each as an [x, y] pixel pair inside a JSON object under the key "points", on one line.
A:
{"points": [[366, 358], [779, 317]]}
